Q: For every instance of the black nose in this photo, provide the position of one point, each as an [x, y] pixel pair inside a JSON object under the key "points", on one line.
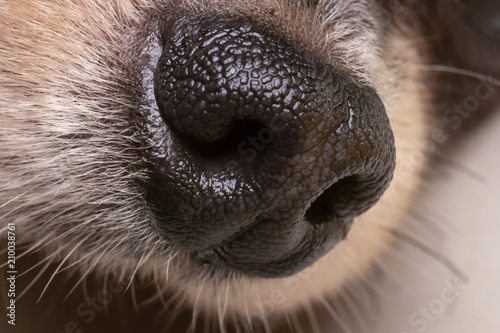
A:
{"points": [[269, 154]]}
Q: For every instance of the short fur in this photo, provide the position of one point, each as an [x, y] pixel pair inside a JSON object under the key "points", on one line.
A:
{"points": [[73, 74]]}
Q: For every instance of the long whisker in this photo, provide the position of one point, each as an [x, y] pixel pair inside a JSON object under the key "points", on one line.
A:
{"points": [[37, 277], [295, 323], [312, 319], [430, 252], [354, 310], [60, 265], [458, 71], [335, 316], [89, 270], [195, 313]]}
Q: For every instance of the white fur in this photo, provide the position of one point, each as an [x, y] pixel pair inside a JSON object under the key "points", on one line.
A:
{"points": [[67, 161]]}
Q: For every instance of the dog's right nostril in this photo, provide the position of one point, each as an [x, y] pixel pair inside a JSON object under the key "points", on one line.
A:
{"points": [[270, 154]]}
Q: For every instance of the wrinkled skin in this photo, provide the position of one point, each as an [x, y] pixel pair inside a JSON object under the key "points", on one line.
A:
{"points": [[327, 153]]}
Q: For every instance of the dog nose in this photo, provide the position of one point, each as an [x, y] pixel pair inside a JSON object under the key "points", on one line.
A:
{"points": [[270, 152]]}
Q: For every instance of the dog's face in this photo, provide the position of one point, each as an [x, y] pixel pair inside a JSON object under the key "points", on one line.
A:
{"points": [[219, 146]]}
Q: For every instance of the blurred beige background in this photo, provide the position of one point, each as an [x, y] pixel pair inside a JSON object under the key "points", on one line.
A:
{"points": [[462, 223]]}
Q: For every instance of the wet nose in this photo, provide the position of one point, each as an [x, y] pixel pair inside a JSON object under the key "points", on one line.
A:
{"points": [[270, 152]]}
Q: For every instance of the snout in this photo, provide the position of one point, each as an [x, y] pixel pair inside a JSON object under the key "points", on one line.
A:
{"points": [[269, 153]]}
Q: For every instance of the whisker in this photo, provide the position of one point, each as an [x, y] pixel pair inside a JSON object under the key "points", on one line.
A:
{"points": [[46, 258], [26, 252], [430, 252], [464, 170], [264, 319], [58, 267], [37, 277], [247, 311], [220, 315], [175, 313], [296, 323], [15, 208], [354, 310], [105, 286], [139, 264], [312, 319], [436, 218], [362, 296], [335, 315], [458, 71], [194, 314], [84, 275], [134, 296], [226, 298]]}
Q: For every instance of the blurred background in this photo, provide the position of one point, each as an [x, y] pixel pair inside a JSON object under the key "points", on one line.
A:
{"points": [[454, 284]]}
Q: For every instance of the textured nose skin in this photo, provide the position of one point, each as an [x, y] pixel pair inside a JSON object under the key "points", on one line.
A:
{"points": [[270, 154]]}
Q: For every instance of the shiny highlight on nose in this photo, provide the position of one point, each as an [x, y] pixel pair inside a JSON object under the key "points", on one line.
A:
{"points": [[270, 153]]}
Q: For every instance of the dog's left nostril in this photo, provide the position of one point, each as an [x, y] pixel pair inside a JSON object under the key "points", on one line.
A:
{"points": [[332, 205], [270, 153]]}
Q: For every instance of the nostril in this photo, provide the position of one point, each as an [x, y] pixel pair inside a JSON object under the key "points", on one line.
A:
{"points": [[328, 206], [240, 132]]}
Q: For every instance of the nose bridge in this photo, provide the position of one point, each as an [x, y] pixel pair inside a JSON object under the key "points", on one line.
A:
{"points": [[261, 135]]}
